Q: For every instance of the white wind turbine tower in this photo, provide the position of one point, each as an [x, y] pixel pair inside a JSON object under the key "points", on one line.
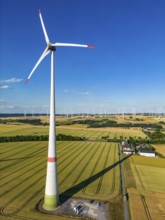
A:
{"points": [[24, 114], [123, 113], [51, 199]]}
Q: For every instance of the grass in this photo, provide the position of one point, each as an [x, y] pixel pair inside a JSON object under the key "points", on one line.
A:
{"points": [[160, 148], [151, 178], [148, 194], [147, 205], [128, 175], [153, 162], [12, 130], [92, 134], [149, 173], [85, 170]]}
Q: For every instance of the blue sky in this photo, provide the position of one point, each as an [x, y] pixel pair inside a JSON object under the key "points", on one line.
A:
{"points": [[124, 72]]}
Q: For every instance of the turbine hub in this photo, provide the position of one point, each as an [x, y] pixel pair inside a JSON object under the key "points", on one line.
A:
{"points": [[52, 48]]}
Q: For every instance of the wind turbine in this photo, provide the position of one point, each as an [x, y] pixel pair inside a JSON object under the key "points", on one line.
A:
{"points": [[51, 199]]}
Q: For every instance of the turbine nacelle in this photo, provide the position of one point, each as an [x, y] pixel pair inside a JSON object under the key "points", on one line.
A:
{"points": [[51, 47]]}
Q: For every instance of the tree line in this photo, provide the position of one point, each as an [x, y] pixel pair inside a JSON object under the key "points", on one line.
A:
{"points": [[24, 121], [156, 137], [21, 138], [109, 123]]}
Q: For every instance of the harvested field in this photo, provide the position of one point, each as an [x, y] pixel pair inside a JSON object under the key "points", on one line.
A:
{"points": [[148, 195], [160, 148], [12, 130], [149, 173], [90, 133], [85, 170], [98, 133], [149, 205]]}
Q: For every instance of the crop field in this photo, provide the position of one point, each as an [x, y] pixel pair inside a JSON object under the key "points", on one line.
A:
{"points": [[85, 170], [160, 148], [12, 130], [149, 205], [147, 188], [97, 133], [91, 134]]}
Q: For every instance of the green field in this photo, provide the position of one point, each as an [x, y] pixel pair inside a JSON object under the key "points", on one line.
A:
{"points": [[145, 181], [149, 173], [160, 148], [85, 170], [91, 134]]}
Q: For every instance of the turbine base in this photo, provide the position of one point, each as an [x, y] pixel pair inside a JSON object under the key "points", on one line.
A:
{"points": [[51, 202]]}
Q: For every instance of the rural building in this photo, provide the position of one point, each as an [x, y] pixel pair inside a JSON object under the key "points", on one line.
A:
{"points": [[124, 143], [147, 153], [142, 146], [128, 151]]}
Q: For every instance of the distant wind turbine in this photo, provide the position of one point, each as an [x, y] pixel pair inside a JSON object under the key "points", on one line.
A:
{"points": [[24, 114], [51, 199]]}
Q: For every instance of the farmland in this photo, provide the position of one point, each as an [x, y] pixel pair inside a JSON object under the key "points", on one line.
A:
{"points": [[89, 133], [160, 148], [85, 169], [149, 205], [145, 180], [149, 174]]}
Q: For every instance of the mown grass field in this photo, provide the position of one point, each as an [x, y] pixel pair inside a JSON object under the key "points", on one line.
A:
{"points": [[89, 133], [146, 206], [160, 148], [145, 181], [118, 118], [85, 170]]}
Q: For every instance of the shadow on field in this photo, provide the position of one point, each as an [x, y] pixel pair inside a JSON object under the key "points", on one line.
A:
{"points": [[21, 158], [74, 189]]}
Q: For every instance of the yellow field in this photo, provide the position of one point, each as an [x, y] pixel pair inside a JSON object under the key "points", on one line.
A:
{"points": [[146, 206], [145, 119], [147, 161], [22, 129], [160, 148], [146, 199], [85, 170], [82, 131], [149, 173]]}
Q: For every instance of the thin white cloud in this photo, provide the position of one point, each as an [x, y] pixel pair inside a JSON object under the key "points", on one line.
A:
{"points": [[5, 87], [68, 91], [73, 91], [12, 80], [84, 93], [45, 106], [7, 106]]}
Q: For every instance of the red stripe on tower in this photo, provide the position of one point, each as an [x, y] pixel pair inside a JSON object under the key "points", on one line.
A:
{"points": [[52, 159]]}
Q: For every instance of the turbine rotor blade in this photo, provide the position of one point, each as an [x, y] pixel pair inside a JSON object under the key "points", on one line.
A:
{"points": [[44, 54], [43, 27], [71, 45]]}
